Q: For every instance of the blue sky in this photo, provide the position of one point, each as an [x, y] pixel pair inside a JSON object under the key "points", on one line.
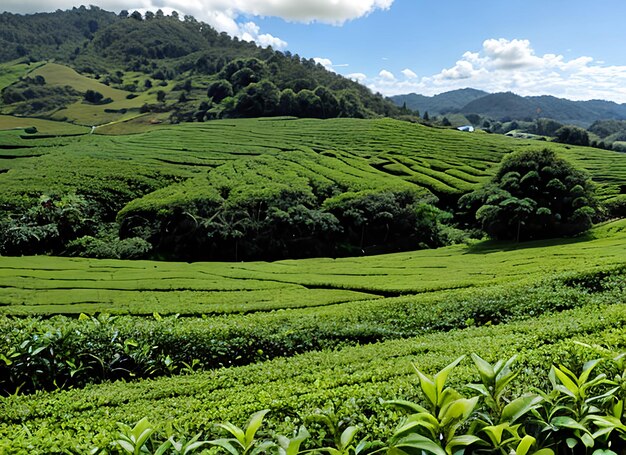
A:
{"points": [[572, 48]]}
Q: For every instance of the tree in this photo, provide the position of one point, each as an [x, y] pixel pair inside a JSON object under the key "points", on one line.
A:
{"points": [[243, 78], [258, 99], [572, 135], [309, 104], [288, 104], [535, 194], [92, 96]]}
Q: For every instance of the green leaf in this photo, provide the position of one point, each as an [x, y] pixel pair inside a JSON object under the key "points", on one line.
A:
{"points": [[235, 431], [566, 380], [414, 444], [484, 368], [253, 425], [495, 432], [190, 448], [457, 410], [587, 369], [544, 452], [587, 440], [407, 406], [127, 446], [225, 444], [347, 436], [292, 446], [462, 441], [524, 445], [163, 447], [416, 421], [519, 407], [427, 386], [442, 376], [568, 422]]}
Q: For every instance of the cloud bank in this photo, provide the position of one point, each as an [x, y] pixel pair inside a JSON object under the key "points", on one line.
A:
{"points": [[512, 65], [224, 15]]}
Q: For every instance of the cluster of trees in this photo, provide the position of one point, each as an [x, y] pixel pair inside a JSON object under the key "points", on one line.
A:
{"points": [[45, 36], [245, 88], [534, 194], [289, 224]]}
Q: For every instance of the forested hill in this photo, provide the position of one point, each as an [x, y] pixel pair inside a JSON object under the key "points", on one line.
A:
{"points": [[201, 73], [509, 106]]}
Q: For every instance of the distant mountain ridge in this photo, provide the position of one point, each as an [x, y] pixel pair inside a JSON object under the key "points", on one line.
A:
{"points": [[509, 106]]}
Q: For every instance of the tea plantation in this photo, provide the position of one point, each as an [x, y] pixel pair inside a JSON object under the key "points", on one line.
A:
{"points": [[493, 299], [87, 344]]}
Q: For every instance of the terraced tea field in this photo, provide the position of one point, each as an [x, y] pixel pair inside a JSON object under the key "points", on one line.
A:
{"points": [[515, 305], [339, 154], [47, 285], [189, 344]]}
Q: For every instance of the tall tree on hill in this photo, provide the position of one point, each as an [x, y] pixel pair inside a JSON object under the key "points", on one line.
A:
{"points": [[535, 194]]}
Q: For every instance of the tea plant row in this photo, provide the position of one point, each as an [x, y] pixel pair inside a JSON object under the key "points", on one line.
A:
{"points": [[59, 352], [353, 378]]}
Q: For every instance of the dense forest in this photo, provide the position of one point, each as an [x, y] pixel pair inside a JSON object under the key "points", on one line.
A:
{"points": [[204, 74]]}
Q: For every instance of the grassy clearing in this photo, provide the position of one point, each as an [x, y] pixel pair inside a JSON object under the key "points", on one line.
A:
{"points": [[47, 127], [11, 72], [62, 75], [88, 114]]}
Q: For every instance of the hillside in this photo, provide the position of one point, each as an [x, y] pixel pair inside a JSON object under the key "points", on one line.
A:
{"points": [[509, 106], [441, 104], [251, 188], [160, 64]]}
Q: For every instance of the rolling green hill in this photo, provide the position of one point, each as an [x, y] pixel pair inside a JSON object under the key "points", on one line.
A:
{"points": [[240, 189], [108, 67], [509, 106]]}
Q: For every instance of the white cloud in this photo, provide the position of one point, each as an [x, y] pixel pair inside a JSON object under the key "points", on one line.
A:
{"points": [[328, 11], [224, 14], [359, 77], [512, 65], [387, 75], [251, 32], [409, 74], [325, 62]]}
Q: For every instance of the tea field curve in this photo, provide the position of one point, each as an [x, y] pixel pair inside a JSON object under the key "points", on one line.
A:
{"points": [[53, 285]]}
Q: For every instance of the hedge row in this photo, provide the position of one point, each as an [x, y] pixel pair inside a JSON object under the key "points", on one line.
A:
{"points": [[352, 379], [63, 352]]}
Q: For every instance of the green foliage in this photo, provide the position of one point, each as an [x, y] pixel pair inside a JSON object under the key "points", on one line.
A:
{"points": [[440, 430], [534, 194], [219, 90], [572, 135], [92, 349], [48, 226], [299, 385], [321, 159]]}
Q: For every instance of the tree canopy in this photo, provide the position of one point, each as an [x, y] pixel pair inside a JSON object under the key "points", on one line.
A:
{"points": [[535, 194]]}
